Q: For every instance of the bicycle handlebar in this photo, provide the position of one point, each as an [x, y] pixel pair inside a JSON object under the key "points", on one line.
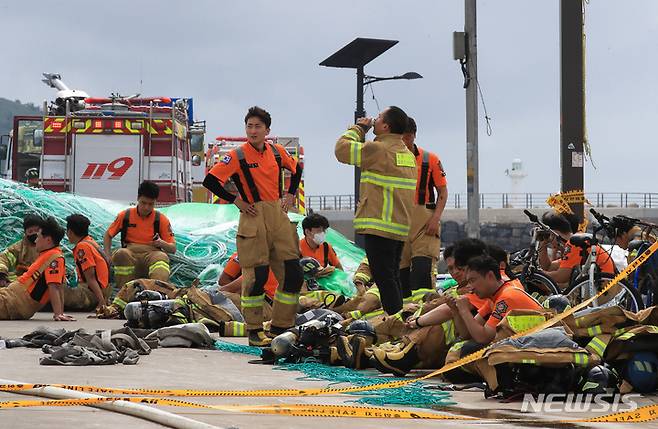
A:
{"points": [[533, 217]]}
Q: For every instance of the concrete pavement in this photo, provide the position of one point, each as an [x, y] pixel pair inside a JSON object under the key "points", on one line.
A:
{"points": [[210, 369]]}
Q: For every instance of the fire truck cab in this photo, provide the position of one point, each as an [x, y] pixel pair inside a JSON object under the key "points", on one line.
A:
{"points": [[105, 147]]}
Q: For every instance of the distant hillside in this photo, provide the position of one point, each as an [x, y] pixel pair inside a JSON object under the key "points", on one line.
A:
{"points": [[9, 109]]}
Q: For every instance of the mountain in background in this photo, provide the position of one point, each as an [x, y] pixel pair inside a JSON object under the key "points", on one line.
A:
{"points": [[9, 109]]}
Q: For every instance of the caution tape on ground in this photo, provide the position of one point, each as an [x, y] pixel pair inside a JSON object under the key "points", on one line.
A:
{"points": [[332, 391], [639, 415]]}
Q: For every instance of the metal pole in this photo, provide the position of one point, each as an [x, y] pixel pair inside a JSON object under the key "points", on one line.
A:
{"points": [[472, 176], [572, 99], [360, 112]]}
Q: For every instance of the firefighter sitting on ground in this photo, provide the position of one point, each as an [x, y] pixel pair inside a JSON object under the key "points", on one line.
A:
{"points": [[93, 290], [146, 238], [42, 282], [265, 238], [15, 259], [314, 244], [230, 284]]}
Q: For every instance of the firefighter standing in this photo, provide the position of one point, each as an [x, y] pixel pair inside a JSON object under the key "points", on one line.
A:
{"points": [[146, 238], [388, 184], [93, 289], [421, 250], [265, 238], [16, 259], [42, 282]]}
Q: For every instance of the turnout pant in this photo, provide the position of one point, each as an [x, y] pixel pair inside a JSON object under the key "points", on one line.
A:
{"points": [[82, 298], [16, 303], [384, 258], [420, 253], [267, 240], [139, 261]]}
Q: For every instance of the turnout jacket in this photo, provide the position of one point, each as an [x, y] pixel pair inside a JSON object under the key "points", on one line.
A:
{"points": [[388, 182], [17, 258]]}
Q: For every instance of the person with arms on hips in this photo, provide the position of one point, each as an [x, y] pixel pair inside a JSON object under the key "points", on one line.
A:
{"points": [[314, 244], [93, 290], [16, 258], [422, 247], [146, 239], [387, 189], [42, 282], [266, 238]]}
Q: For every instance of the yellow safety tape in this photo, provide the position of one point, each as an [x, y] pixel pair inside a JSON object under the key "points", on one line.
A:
{"points": [[331, 391], [639, 415], [298, 410]]}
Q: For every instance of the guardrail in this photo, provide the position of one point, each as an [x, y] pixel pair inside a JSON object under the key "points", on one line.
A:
{"points": [[504, 200]]}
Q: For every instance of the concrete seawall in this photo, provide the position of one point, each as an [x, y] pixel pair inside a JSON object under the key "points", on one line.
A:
{"points": [[508, 228]]}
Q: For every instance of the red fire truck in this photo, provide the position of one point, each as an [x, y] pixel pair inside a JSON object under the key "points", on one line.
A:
{"points": [[104, 147]]}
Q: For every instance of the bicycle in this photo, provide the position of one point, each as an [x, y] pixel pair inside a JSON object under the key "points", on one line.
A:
{"points": [[536, 283], [645, 278]]}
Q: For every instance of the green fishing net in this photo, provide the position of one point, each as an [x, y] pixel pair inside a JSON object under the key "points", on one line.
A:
{"points": [[205, 233]]}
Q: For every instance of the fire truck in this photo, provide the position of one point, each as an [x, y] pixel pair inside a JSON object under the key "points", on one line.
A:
{"points": [[104, 147], [223, 145]]}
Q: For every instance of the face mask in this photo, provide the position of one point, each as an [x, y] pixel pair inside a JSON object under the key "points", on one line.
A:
{"points": [[319, 238], [32, 238]]}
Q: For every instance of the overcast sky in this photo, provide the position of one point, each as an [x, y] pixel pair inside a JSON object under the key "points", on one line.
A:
{"points": [[231, 55]]}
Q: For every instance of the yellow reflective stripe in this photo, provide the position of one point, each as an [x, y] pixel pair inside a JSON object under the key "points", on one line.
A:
{"points": [[361, 276], [11, 257], [405, 159], [379, 224], [252, 301], [352, 135], [158, 265], [619, 331], [419, 294], [626, 336], [124, 270], [449, 331], [237, 329], [597, 346], [355, 153], [286, 298], [373, 314], [457, 346], [356, 314], [529, 361], [119, 303], [388, 181], [374, 291], [12, 277], [524, 322], [581, 359], [594, 330]]}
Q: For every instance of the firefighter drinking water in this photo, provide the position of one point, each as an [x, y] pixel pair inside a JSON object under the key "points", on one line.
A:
{"points": [[16, 259], [93, 289], [265, 238], [42, 282], [146, 238], [387, 188]]}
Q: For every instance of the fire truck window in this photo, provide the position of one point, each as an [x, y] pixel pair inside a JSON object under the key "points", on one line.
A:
{"points": [[30, 137], [196, 144]]}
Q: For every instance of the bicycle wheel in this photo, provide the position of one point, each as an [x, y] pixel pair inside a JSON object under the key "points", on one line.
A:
{"points": [[538, 284], [621, 294]]}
